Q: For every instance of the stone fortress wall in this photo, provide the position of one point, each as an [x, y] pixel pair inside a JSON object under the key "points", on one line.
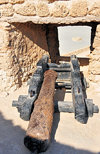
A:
{"points": [[45, 12], [28, 29], [21, 46]]}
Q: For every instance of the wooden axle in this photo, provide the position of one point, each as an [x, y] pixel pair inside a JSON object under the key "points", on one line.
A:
{"points": [[67, 106]]}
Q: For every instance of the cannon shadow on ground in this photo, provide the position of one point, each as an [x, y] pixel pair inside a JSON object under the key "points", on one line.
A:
{"points": [[11, 137], [11, 140], [58, 148], [59, 96]]}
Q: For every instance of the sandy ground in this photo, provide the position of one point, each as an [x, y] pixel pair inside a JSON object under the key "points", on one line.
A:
{"points": [[68, 135]]}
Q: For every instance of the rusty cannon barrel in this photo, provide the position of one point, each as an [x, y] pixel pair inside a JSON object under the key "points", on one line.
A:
{"points": [[37, 137]]}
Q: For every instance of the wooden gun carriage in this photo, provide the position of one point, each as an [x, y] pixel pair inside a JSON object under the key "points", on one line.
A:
{"points": [[38, 106]]}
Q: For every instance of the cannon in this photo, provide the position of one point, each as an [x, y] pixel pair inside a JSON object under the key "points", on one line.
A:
{"points": [[39, 106], [40, 124]]}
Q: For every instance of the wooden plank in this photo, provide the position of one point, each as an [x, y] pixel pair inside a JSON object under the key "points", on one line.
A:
{"points": [[77, 94], [83, 61]]}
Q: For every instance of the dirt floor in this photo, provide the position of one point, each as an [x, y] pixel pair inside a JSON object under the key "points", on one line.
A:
{"points": [[68, 135]]}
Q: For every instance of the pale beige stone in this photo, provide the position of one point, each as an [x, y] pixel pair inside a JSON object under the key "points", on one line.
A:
{"points": [[6, 10], [68, 20], [75, 11], [94, 66], [91, 77], [96, 52], [98, 28], [97, 78], [26, 9], [95, 57], [96, 43], [42, 9], [4, 1], [16, 1], [95, 69], [59, 10], [78, 8], [94, 8], [97, 34]]}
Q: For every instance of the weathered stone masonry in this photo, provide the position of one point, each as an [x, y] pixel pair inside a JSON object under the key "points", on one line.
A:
{"points": [[19, 53], [21, 46], [28, 29], [94, 67]]}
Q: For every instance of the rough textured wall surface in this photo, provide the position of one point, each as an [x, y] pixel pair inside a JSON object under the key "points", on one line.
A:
{"points": [[21, 46], [94, 67], [50, 11]]}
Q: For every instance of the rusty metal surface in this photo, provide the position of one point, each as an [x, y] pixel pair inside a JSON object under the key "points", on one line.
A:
{"points": [[40, 124]]}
